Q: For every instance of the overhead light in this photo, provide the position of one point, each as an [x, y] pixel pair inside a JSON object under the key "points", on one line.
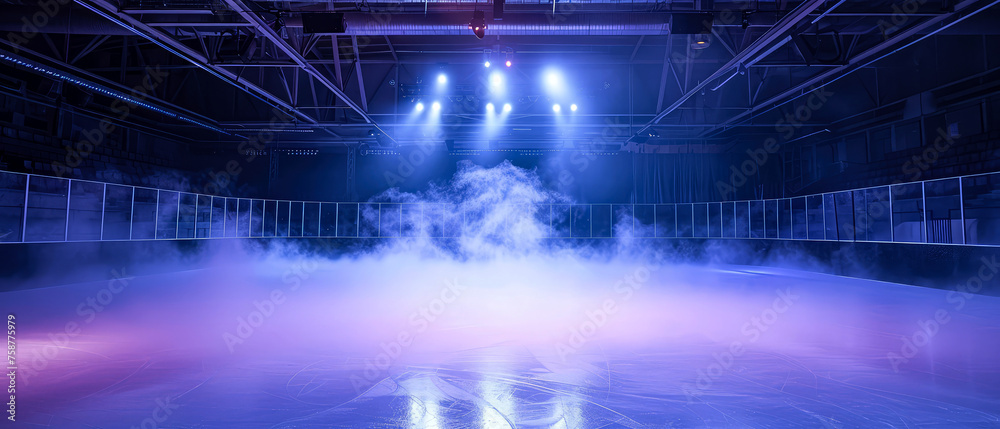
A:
{"points": [[442, 79], [701, 41], [553, 78], [506, 107], [572, 107], [556, 108], [489, 107], [478, 24], [487, 64], [420, 107], [436, 106], [508, 63]]}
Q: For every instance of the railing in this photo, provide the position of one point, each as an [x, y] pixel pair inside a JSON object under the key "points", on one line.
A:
{"points": [[962, 210]]}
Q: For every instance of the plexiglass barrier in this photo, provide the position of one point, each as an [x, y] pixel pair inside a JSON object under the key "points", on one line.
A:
{"points": [[963, 210]]}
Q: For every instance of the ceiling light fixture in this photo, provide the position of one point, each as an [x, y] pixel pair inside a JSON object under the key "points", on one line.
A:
{"points": [[478, 24]]}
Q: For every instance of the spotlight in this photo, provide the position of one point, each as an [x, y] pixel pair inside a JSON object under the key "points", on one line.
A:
{"points": [[478, 24], [508, 63], [496, 79], [420, 107], [442, 79], [506, 107], [553, 78], [436, 106], [486, 64], [572, 107], [554, 82], [489, 107], [556, 108]]}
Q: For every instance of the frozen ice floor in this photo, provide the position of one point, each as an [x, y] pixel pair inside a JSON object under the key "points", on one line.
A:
{"points": [[540, 343]]}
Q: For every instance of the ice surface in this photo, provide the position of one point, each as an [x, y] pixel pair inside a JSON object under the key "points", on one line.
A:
{"points": [[504, 343]]}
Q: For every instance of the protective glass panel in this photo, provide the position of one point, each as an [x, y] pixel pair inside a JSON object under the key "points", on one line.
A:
{"points": [[830, 216], [270, 218], [454, 220], [908, 213], [12, 191], [218, 217], [581, 221], [243, 218], [144, 214], [700, 220], [256, 218], [117, 212], [860, 215], [645, 218], [283, 219], [878, 214], [561, 221], [369, 220], [602, 220], [389, 220], [943, 211], [756, 219], [742, 219], [729, 219], [666, 220], [86, 206], [814, 217], [232, 217], [771, 219], [329, 218], [166, 215], [46, 211], [800, 230], [310, 220], [844, 215], [785, 218], [714, 220], [982, 209], [685, 220], [412, 215], [204, 216], [295, 230], [624, 222], [186, 216]]}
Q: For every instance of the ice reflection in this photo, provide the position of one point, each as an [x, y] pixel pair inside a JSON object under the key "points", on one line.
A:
{"points": [[424, 408], [326, 358]]}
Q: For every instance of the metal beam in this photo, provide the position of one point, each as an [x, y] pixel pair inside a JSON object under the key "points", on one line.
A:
{"points": [[243, 10], [357, 71], [858, 62], [774, 34], [111, 12]]}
